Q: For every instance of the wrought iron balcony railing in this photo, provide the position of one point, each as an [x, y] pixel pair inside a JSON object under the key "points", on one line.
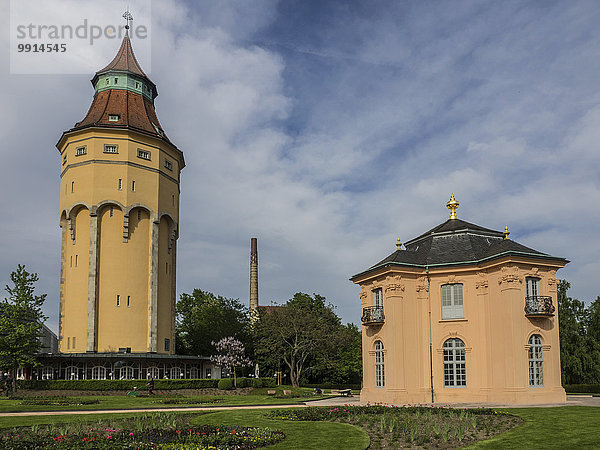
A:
{"points": [[539, 306], [372, 315]]}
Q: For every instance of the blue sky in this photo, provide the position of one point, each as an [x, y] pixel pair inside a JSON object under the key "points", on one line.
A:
{"points": [[328, 129]]}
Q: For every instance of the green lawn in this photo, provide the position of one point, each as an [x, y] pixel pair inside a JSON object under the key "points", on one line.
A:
{"points": [[562, 427], [299, 435], [125, 402]]}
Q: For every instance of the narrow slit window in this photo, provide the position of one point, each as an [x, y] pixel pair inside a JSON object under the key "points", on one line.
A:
{"points": [[76, 259], [116, 80], [107, 81], [173, 200], [71, 260], [68, 342], [167, 345], [74, 342], [139, 214], [72, 187], [168, 164], [128, 301], [64, 159], [166, 267], [118, 300], [133, 186], [111, 211], [120, 183]]}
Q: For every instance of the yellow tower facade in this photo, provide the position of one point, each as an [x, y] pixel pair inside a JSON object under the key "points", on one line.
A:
{"points": [[119, 214]]}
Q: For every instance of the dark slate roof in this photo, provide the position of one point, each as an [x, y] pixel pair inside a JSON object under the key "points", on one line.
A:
{"points": [[456, 242]]}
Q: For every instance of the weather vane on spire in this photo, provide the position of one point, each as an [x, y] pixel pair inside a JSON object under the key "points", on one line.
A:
{"points": [[128, 17]]}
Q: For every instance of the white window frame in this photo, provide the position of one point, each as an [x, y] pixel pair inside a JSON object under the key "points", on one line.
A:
{"points": [[532, 286], [379, 365], [175, 373], [111, 148], [81, 150], [126, 373], [152, 372], [452, 299], [144, 154], [114, 117], [455, 363], [98, 373], [536, 361]]}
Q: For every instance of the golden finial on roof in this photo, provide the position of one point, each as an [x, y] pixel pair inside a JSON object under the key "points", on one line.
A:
{"points": [[452, 205], [506, 232], [399, 244]]}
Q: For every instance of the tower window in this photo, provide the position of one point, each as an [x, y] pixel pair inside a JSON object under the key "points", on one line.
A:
{"points": [[71, 260], [111, 211], [68, 342], [452, 301], [74, 345], [120, 183], [118, 300], [166, 267], [72, 186], [139, 214], [64, 159], [137, 85], [168, 164], [80, 151], [133, 186], [173, 200], [107, 81], [113, 117], [128, 301], [111, 148], [143, 154], [116, 80], [167, 345], [76, 258]]}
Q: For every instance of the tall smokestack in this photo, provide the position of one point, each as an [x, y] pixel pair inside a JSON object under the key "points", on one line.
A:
{"points": [[253, 277]]}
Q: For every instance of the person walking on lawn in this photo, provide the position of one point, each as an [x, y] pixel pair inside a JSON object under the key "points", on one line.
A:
{"points": [[150, 385]]}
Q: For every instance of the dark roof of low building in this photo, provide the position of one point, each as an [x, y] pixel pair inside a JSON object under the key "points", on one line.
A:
{"points": [[456, 242]]}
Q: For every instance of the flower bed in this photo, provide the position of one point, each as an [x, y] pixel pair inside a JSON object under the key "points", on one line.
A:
{"points": [[147, 431], [393, 427]]}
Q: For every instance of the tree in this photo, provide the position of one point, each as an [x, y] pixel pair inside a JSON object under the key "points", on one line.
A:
{"points": [[204, 317], [232, 355], [579, 344], [302, 329], [21, 320]]}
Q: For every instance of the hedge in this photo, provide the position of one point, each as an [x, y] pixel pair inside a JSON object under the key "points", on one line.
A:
{"points": [[582, 388], [352, 386], [226, 384], [127, 385]]}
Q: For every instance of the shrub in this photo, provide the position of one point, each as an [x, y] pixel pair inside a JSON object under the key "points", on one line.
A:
{"points": [[268, 382], [114, 385], [226, 384], [243, 382], [257, 383], [582, 388]]}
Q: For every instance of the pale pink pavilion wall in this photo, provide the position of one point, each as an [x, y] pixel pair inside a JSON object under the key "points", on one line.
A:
{"points": [[495, 331]]}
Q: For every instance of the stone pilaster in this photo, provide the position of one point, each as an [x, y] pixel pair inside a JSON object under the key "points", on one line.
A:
{"points": [[153, 291], [91, 344]]}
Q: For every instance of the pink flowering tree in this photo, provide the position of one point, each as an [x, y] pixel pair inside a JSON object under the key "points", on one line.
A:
{"points": [[231, 355]]}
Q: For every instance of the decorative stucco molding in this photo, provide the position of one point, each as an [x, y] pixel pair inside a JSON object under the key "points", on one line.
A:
{"points": [[421, 284], [482, 281], [395, 289], [509, 275]]}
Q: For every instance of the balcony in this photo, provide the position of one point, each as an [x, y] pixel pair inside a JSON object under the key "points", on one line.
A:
{"points": [[539, 306], [372, 315]]}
